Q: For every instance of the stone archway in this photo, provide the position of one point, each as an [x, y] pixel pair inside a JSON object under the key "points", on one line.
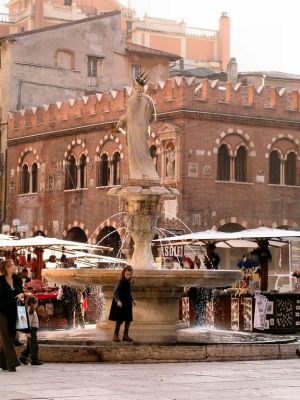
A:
{"points": [[39, 233], [231, 227], [109, 236], [77, 235]]}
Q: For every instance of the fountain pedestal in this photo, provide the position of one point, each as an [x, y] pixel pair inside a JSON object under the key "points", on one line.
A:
{"points": [[142, 205]]}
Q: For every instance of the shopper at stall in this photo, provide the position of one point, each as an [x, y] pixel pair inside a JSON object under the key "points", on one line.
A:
{"points": [[11, 291], [211, 259], [69, 303], [25, 277], [121, 307], [32, 347]]}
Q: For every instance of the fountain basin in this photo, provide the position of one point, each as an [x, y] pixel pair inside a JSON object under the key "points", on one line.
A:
{"points": [[157, 293], [144, 278]]}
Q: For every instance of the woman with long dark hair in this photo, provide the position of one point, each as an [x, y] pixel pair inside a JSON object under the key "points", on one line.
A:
{"points": [[121, 307], [11, 292]]}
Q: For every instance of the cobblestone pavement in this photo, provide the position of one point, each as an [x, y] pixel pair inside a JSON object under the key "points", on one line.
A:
{"points": [[267, 380]]}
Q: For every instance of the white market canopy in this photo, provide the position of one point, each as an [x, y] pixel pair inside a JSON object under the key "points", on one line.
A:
{"points": [[88, 258], [46, 242], [245, 238]]}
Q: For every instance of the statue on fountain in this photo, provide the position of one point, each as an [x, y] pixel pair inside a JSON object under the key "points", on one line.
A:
{"points": [[135, 123]]}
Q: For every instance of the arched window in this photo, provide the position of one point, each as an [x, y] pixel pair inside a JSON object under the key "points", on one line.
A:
{"points": [[34, 177], [71, 173], [240, 165], [104, 171], [274, 168], [223, 164], [290, 169], [25, 179], [82, 171], [116, 168], [153, 154]]}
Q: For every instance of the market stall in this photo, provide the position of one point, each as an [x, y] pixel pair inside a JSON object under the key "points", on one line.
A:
{"points": [[252, 304], [59, 307]]}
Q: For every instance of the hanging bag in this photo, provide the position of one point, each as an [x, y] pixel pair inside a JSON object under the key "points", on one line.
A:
{"points": [[22, 320]]}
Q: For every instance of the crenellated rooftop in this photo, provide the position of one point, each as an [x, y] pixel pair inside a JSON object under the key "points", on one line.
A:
{"points": [[175, 94]]}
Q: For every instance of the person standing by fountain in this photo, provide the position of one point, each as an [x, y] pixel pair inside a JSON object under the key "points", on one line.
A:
{"points": [[121, 307]]}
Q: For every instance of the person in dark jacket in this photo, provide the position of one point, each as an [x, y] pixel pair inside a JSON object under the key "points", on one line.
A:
{"points": [[121, 307], [11, 291], [211, 259]]}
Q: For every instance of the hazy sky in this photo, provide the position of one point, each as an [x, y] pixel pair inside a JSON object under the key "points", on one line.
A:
{"points": [[264, 33]]}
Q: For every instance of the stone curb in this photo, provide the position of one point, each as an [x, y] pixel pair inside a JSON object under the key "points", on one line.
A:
{"points": [[131, 353]]}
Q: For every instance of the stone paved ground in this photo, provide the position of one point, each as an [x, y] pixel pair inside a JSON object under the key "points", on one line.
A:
{"points": [[263, 380]]}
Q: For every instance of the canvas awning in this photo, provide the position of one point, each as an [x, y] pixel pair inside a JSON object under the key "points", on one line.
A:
{"points": [[87, 258], [46, 242], [245, 238]]}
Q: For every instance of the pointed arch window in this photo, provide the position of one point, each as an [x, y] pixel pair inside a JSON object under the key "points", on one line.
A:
{"points": [[25, 185], [223, 163], [274, 168], [240, 165], [290, 169], [116, 168], [34, 177], [104, 171], [82, 171], [71, 173]]}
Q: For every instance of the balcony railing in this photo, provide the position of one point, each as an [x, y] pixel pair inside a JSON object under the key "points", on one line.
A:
{"points": [[198, 32], [4, 18]]}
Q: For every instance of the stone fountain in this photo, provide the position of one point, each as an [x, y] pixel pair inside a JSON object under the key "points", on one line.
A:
{"points": [[156, 291]]}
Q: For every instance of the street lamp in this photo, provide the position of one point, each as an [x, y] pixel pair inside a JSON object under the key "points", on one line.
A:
{"points": [[17, 228]]}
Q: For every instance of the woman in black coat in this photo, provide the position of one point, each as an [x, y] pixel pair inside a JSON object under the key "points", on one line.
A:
{"points": [[11, 291], [121, 307]]}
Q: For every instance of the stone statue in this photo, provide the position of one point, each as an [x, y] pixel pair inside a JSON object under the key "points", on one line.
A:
{"points": [[170, 167], [139, 114]]}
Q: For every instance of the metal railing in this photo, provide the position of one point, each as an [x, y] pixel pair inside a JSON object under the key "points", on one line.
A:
{"points": [[198, 32], [4, 18]]}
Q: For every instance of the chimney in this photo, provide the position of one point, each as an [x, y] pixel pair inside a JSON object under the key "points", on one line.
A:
{"points": [[39, 14], [224, 40], [232, 71]]}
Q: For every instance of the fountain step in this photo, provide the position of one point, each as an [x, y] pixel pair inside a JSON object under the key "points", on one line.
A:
{"points": [[142, 353]]}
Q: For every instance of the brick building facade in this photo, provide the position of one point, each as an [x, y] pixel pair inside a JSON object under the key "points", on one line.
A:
{"points": [[233, 153]]}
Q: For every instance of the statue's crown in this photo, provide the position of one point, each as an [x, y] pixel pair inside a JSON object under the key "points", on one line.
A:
{"points": [[142, 79]]}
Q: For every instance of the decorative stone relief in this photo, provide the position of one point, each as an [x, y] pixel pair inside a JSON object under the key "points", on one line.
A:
{"points": [[170, 209], [58, 184], [170, 162], [206, 170], [192, 170], [50, 183]]}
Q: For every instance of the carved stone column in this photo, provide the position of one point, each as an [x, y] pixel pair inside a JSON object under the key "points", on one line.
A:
{"points": [[143, 206]]}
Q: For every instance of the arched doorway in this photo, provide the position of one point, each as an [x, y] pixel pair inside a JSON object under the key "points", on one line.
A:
{"points": [[76, 235], [39, 233], [231, 227], [109, 237]]}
